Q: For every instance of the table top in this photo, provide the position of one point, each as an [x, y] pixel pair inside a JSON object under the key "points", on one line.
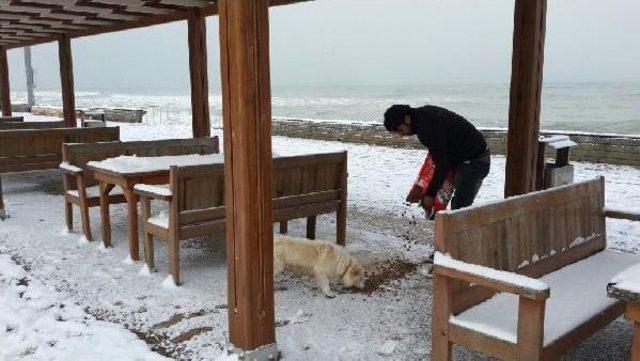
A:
{"points": [[626, 285], [134, 165]]}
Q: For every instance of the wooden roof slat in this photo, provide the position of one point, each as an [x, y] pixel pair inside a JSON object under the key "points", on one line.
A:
{"points": [[47, 12], [40, 23], [32, 22]]}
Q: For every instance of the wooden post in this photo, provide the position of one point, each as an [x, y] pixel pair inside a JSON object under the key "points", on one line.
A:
{"points": [[4, 83], [197, 29], [540, 163], [66, 79], [526, 87], [246, 106], [31, 100]]}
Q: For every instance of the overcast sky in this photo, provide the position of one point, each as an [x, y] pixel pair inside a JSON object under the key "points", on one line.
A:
{"points": [[367, 42]]}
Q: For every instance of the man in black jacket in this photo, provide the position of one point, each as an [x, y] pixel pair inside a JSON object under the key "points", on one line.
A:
{"points": [[452, 142]]}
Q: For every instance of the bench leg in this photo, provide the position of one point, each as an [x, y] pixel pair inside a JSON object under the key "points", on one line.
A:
{"points": [[3, 213], [174, 258], [440, 344], [284, 227], [148, 237], [633, 315], [530, 329], [341, 215], [341, 226], [311, 227], [635, 347], [68, 215], [84, 209], [104, 215], [149, 258]]}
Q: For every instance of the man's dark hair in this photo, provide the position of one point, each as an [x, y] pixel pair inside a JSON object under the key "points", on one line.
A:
{"points": [[394, 116]]}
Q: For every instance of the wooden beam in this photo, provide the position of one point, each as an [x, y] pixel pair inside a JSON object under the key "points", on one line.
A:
{"points": [[4, 83], [197, 30], [524, 104], [66, 80], [246, 105]]}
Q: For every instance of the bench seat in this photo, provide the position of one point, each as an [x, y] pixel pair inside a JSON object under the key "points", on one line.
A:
{"points": [[578, 293]]}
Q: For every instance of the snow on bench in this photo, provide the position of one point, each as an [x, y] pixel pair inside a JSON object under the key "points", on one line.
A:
{"points": [[70, 167], [162, 190], [94, 191], [488, 273], [577, 293]]}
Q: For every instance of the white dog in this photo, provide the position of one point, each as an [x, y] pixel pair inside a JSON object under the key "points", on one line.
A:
{"points": [[322, 260]]}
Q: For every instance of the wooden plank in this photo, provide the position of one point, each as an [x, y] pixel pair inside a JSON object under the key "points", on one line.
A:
{"points": [[306, 210], [5, 91], [31, 125], [244, 43], [301, 199], [197, 33], [526, 88], [631, 216], [488, 345], [66, 81]]}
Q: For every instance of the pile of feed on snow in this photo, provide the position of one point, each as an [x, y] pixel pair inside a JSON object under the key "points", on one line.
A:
{"points": [[386, 272]]}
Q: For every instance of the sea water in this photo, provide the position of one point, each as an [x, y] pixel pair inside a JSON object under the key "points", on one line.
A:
{"points": [[592, 107]]}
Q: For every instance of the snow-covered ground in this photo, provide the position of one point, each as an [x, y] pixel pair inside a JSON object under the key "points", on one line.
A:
{"points": [[109, 301]]}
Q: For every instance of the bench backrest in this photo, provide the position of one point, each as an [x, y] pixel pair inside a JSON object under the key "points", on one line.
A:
{"points": [[31, 125], [532, 234], [12, 119], [38, 149], [79, 154], [297, 181]]}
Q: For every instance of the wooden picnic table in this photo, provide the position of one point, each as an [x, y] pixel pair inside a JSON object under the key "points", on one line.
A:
{"points": [[626, 287], [126, 172]]}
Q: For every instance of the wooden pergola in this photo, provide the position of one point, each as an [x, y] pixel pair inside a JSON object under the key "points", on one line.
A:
{"points": [[244, 42]]}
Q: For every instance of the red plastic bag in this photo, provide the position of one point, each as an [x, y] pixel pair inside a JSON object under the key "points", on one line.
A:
{"points": [[442, 198]]}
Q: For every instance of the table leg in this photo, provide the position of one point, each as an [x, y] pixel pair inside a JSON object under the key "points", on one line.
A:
{"points": [[132, 210], [104, 214]]}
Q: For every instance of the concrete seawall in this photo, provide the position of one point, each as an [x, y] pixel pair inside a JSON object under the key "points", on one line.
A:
{"points": [[597, 148]]}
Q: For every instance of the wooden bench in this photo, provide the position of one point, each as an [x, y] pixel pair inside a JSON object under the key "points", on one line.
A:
{"points": [[524, 278], [303, 187], [31, 125], [81, 189], [41, 149]]}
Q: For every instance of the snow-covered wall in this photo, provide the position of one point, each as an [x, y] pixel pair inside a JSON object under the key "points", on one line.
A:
{"points": [[597, 148]]}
